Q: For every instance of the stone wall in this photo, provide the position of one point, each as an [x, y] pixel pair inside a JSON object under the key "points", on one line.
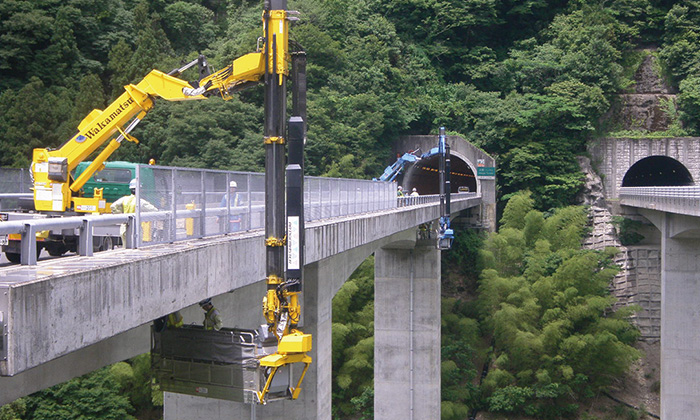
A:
{"points": [[639, 280], [641, 285], [645, 110]]}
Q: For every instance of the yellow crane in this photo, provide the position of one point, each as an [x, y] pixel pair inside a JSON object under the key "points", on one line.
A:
{"points": [[55, 190]]}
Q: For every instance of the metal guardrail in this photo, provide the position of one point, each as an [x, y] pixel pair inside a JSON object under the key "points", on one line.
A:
{"points": [[688, 192], [680, 200], [11, 200], [30, 227], [186, 218]]}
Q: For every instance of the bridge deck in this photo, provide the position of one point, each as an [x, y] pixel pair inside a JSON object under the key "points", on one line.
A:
{"points": [[73, 302]]}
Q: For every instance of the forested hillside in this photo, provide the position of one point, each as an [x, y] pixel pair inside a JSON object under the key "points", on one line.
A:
{"points": [[527, 81], [524, 80]]}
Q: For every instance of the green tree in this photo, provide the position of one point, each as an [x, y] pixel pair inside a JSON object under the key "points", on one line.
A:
{"points": [[134, 378], [119, 59], [14, 410], [31, 117], [689, 101], [152, 44], [190, 26], [353, 342], [680, 52], [26, 29], [519, 205], [93, 396], [545, 306], [90, 96], [460, 338]]}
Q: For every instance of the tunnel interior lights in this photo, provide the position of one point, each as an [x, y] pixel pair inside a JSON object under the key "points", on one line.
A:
{"points": [[451, 173]]}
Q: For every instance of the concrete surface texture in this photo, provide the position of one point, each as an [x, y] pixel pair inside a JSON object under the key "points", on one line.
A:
{"points": [[680, 328], [70, 308], [613, 157], [680, 319], [471, 156], [407, 334]]}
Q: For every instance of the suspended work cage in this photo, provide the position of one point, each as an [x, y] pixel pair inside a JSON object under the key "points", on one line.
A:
{"points": [[221, 364]]}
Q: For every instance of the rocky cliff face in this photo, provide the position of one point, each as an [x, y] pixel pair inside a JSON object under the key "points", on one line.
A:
{"points": [[649, 108]]}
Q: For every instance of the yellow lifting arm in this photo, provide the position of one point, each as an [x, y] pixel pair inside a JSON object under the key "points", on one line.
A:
{"points": [[53, 188], [250, 68]]}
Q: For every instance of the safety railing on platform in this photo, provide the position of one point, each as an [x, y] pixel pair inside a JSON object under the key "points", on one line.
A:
{"points": [[181, 203]]}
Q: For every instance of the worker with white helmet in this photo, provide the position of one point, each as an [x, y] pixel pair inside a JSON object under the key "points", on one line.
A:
{"points": [[232, 200], [212, 318], [127, 204]]}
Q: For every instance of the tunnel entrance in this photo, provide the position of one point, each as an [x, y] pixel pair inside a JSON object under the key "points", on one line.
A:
{"points": [[424, 176], [657, 171]]}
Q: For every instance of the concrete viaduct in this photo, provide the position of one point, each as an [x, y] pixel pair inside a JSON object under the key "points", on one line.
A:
{"points": [[656, 178], [66, 317]]}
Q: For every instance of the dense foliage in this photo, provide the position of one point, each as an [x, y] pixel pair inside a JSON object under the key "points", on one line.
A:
{"points": [[526, 81], [546, 303], [122, 391], [353, 344]]}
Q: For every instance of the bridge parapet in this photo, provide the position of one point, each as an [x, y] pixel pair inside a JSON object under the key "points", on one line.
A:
{"points": [[192, 203], [679, 200]]}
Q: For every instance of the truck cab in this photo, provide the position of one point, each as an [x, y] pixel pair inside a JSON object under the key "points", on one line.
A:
{"points": [[114, 180]]}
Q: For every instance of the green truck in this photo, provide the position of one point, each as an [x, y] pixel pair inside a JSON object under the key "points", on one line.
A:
{"points": [[114, 180]]}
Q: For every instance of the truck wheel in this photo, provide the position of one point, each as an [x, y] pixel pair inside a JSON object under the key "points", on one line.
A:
{"points": [[13, 257], [55, 251], [104, 243]]}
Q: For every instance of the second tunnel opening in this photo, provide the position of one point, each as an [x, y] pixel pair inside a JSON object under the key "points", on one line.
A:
{"points": [[657, 171]]}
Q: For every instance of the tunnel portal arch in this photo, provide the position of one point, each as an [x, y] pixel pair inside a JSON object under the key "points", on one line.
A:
{"points": [[657, 171], [424, 176]]}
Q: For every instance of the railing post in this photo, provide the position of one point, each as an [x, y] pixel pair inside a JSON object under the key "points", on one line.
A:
{"points": [[85, 241], [173, 204], [137, 224], [131, 231], [227, 223], [320, 199], [28, 245], [249, 190], [336, 213], [203, 211]]}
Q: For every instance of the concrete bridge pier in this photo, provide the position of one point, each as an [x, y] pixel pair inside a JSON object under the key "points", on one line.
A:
{"points": [[680, 313], [680, 323], [407, 333]]}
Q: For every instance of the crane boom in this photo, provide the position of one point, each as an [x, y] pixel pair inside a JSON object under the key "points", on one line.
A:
{"points": [[55, 190]]}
